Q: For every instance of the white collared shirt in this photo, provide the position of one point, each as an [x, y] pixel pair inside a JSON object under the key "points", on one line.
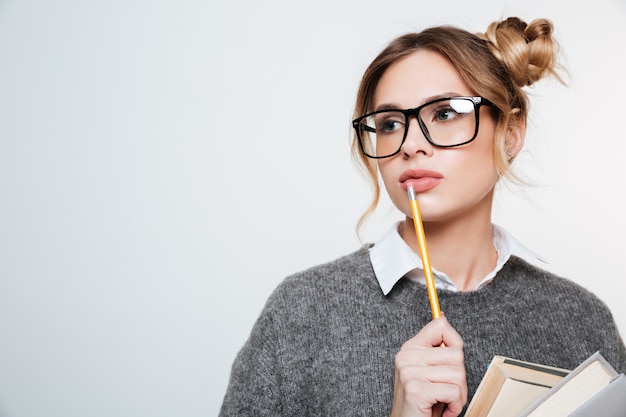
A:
{"points": [[393, 259]]}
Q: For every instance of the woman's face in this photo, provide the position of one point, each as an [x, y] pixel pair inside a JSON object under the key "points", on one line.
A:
{"points": [[451, 183]]}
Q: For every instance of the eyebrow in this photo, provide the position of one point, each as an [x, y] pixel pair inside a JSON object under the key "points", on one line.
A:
{"points": [[391, 106]]}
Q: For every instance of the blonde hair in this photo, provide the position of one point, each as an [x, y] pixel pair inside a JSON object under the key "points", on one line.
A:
{"points": [[496, 65]]}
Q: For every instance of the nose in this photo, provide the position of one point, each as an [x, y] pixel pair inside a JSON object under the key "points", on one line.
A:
{"points": [[415, 141]]}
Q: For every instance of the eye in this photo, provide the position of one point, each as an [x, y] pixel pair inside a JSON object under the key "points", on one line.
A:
{"points": [[447, 110], [389, 126], [444, 113], [387, 123]]}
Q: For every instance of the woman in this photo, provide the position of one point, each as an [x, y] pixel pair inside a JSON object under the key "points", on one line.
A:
{"points": [[442, 111]]}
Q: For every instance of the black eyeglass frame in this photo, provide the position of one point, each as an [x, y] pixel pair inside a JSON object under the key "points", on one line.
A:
{"points": [[476, 101]]}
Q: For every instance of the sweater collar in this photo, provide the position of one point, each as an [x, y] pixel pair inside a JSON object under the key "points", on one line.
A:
{"points": [[392, 259]]}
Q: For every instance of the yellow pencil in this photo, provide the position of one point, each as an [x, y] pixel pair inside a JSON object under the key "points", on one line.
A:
{"points": [[421, 240]]}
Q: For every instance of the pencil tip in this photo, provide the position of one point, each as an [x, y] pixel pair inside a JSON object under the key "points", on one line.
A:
{"points": [[411, 192]]}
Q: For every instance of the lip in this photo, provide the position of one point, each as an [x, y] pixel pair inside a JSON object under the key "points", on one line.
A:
{"points": [[420, 179]]}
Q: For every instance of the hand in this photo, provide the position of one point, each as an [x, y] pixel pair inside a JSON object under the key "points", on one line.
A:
{"points": [[430, 379]]}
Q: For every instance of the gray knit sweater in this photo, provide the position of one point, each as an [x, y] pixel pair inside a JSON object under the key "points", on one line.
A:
{"points": [[325, 342]]}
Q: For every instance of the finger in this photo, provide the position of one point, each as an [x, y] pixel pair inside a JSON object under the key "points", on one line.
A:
{"points": [[421, 397], [432, 365], [436, 332], [431, 356]]}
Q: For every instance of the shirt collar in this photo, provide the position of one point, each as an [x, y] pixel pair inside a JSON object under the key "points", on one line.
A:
{"points": [[392, 259]]}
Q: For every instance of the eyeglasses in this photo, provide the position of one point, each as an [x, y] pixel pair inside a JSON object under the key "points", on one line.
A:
{"points": [[445, 122]]}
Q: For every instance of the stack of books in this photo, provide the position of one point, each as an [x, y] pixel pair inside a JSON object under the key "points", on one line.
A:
{"points": [[513, 388]]}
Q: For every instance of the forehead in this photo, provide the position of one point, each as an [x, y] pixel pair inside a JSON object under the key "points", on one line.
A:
{"points": [[418, 77]]}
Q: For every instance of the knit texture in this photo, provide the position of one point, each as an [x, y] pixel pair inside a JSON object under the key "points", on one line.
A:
{"points": [[325, 342]]}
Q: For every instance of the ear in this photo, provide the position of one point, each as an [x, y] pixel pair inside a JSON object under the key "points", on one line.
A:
{"points": [[515, 136]]}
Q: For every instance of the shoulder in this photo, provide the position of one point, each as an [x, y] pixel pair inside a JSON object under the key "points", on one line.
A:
{"points": [[355, 266], [562, 309], [538, 282], [325, 283]]}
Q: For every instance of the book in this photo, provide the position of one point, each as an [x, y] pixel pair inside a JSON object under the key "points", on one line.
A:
{"points": [[510, 386], [513, 388], [609, 402], [580, 385]]}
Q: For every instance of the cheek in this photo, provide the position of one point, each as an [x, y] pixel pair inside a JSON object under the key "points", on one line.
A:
{"points": [[477, 167], [390, 175], [385, 170]]}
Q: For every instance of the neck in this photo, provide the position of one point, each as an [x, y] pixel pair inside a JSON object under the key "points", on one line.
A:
{"points": [[462, 249]]}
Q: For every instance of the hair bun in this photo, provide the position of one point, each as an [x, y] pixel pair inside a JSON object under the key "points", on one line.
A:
{"points": [[528, 51]]}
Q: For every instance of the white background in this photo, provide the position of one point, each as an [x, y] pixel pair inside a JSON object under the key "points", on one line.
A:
{"points": [[164, 165]]}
